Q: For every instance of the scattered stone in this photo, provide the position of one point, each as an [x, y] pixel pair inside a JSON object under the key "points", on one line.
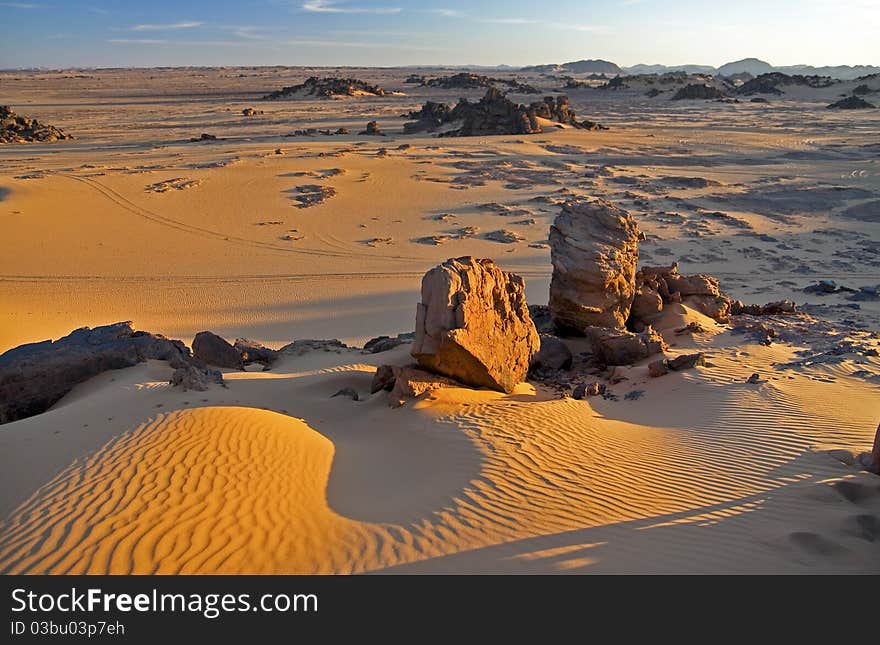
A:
{"points": [[312, 195], [779, 308], [20, 129], [251, 112], [594, 252], [212, 349], [582, 391], [373, 131], [33, 377], [504, 236], [822, 287], [195, 378], [754, 379], [634, 395], [347, 392], [473, 324], [204, 137]]}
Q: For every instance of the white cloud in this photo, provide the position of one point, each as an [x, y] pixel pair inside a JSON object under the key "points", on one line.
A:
{"points": [[137, 41], [448, 13], [20, 5], [168, 27], [331, 6]]}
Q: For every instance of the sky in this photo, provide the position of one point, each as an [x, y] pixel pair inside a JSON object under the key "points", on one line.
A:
{"points": [[105, 33]]}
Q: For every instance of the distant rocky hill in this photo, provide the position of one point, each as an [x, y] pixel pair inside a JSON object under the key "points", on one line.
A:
{"points": [[750, 66], [596, 66]]}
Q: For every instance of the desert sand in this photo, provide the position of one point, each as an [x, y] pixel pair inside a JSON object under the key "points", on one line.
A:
{"points": [[697, 471]]}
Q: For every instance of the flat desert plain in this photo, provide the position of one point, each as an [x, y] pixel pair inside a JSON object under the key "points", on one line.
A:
{"points": [[274, 236]]}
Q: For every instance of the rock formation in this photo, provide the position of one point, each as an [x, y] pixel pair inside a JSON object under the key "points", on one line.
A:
{"points": [[851, 103], [33, 377], [621, 347], [658, 286], [327, 88], [594, 251], [20, 129], [212, 349], [253, 352], [473, 324], [697, 91], [471, 81], [771, 82], [495, 114]]}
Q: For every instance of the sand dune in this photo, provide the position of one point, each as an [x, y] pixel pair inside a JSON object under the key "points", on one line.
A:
{"points": [[703, 472]]}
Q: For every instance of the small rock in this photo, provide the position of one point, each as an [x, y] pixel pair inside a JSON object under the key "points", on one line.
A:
{"points": [[686, 361], [754, 379], [347, 392], [383, 379], [658, 368]]}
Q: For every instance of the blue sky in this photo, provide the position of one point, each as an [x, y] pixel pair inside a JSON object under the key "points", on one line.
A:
{"points": [[59, 33]]}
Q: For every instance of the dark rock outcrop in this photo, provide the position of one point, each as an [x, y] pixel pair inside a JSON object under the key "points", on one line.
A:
{"points": [[386, 343], [212, 349], [496, 114], [772, 83], [851, 103], [253, 352], [34, 377], [327, 87], [20, 129], [471, 81], [696, 91]]}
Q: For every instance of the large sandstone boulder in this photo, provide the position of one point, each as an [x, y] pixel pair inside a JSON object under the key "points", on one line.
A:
{"points": [[214, 350], [33, 377], [594, 248], [473, 324]]}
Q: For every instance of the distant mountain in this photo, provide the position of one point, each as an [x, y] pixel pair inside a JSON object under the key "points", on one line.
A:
{"points": [[577, 67], [662, 69], [756, 67], [844, 72], [592, 67], [751, 66]]}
